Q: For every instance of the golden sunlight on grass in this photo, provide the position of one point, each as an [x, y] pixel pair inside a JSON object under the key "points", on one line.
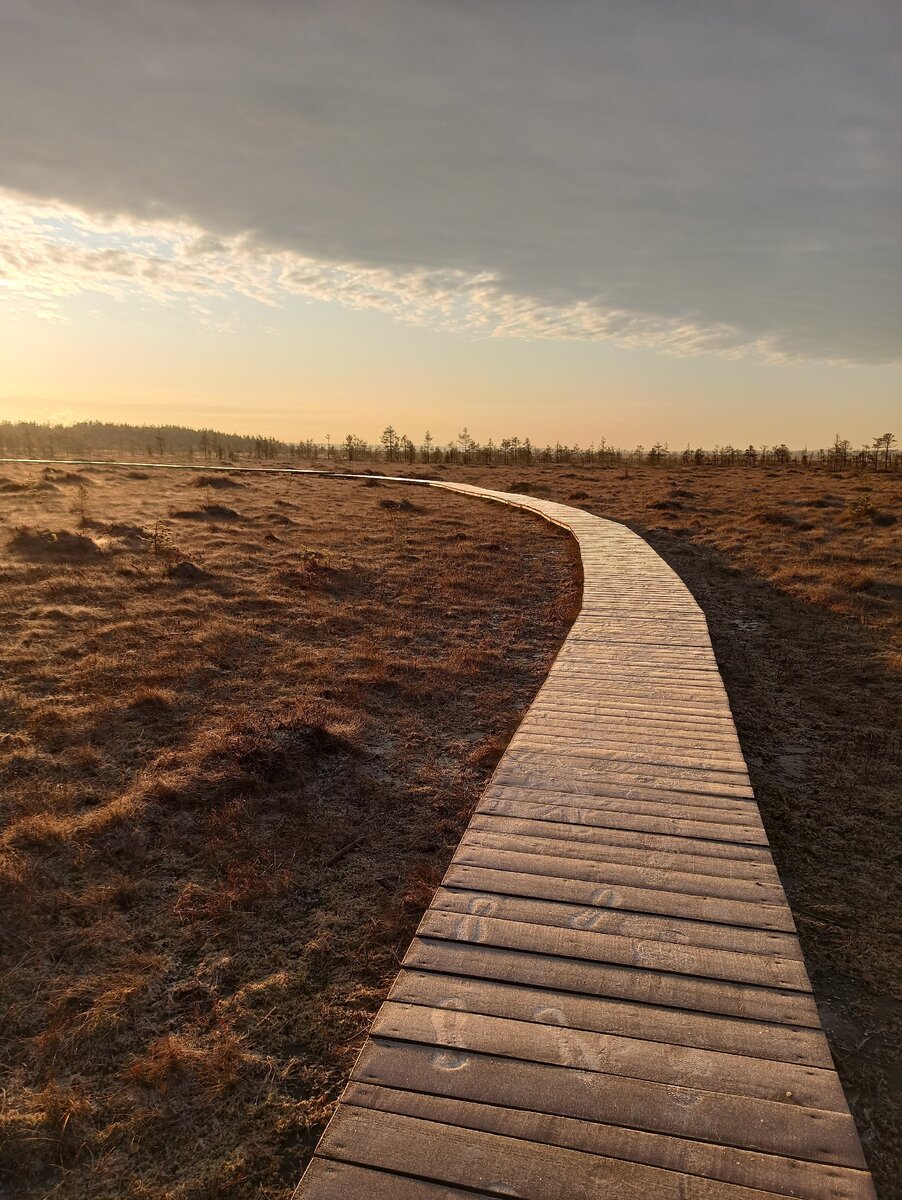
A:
{"points": [[245, 721]]}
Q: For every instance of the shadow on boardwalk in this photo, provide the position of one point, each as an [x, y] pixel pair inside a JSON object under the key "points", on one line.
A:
{"points": [[816, 708]]}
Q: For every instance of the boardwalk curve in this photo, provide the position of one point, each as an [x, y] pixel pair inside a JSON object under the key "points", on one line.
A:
{"points": [[606, 997]]}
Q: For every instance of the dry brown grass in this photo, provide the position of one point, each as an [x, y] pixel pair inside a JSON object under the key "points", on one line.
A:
{"points": [[244, 723], [800, 576]]}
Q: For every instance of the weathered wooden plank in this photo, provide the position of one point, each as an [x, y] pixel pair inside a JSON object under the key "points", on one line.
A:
{"points": [[497, 1095], [505, 1165], [555, 807], [613, 981], [673, 747], [669, 757], [326, 1179], [751, 890], [552, 774], [571, 691], [531, 911], [626, 768], [645, 954], [653, 1023], [709, 1071], [695, 687], [594, 851], [639, 900], [731, 852], [613, 712], [664, 735], [684, 805]]}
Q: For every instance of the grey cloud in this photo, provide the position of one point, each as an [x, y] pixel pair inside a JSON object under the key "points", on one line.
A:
{"points": [[712, 165]]}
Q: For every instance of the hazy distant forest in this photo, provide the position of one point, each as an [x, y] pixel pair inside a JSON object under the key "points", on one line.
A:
{"points": [[86, 439]]}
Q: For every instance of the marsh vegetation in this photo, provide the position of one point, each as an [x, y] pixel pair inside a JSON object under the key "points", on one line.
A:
{"points": [[244, 723]]}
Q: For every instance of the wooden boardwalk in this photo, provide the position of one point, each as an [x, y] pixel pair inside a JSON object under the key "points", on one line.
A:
{"points": [[606, 997]]}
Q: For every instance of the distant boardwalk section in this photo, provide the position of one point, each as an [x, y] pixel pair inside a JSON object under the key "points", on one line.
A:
{"points": [[607, 997]]}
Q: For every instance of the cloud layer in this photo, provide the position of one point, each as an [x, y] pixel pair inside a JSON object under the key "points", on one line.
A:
{"points": [[50, 252], [673, 173]]}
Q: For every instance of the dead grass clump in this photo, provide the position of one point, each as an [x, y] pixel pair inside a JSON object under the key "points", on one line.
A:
{"points": [[188, 573], [120, 529], [859, 511], [58, 476], [208, 1070], [828, 501], [54, 545], [774, 516], [208, 512], [217, 481], [852, 579], [398, 506], [151, 701], [11, 486], [254, 757], [528, 486]]}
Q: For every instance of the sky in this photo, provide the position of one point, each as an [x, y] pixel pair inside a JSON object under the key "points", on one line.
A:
{"points": [[662, 220]]}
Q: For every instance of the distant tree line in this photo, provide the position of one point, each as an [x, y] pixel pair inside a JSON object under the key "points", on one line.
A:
{"points": [[101, 439]]}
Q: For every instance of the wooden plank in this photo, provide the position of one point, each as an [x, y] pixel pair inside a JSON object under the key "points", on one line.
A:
{"points": [[710, 1071], [613, 712], [642, 954], [507, 1166], [639, 900], [592, 978], [329, 1180], [614, 689], [551, 775], [680, 805], [642, 664], [702, 686], [559, 729], [667, 757], [650, 927], [752, 891], [652, 1023], [596, 851], [673, 747], [598, 789], [730, 852], [558, 694], [514, 802], [497, 1095], [645, 664], [613, 733], [628, 769]]}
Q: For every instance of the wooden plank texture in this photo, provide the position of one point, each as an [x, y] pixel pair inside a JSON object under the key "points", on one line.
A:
{"points": [[606, 997]]}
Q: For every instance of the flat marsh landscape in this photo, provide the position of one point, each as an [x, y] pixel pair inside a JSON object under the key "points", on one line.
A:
{"points": [[245, 721]]}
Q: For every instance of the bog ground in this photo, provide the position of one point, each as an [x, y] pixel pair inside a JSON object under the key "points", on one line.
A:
{"points": [[244, 725]]}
